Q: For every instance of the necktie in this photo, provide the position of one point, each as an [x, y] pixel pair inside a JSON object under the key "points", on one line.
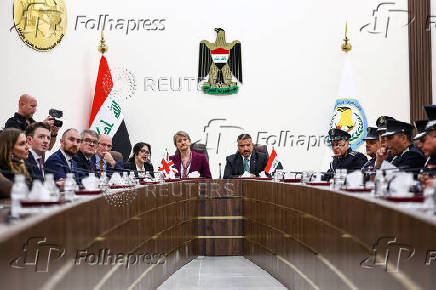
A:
{"points": [[91, 166], [41, 165], [246, 164], [101, 166]]}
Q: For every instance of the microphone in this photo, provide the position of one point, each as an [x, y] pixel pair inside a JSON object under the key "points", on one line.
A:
{"points": [[219, 164]]}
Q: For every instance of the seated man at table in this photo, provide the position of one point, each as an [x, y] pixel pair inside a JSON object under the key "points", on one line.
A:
{"points": [[381, 129], [245, 160], [61, 162], [38, 138], [344, 157], [399, 141], [82, 159], [372, 143], [103, 160]]}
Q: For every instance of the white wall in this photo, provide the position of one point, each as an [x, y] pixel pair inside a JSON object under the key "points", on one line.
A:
{"points": [[291, 63]]}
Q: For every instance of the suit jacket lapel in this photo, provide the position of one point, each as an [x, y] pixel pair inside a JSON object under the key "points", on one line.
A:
{"points": [[253, 162]]}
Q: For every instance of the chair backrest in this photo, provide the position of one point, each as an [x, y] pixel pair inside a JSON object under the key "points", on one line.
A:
{"points": [[261, 148], [198, 147], [117, 155]]}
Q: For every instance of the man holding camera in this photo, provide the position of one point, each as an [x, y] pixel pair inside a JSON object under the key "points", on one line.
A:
{"points": [[24, 117]]}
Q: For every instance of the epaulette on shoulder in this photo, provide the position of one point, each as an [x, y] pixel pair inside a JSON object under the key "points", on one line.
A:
{"points": [[353, 153]]}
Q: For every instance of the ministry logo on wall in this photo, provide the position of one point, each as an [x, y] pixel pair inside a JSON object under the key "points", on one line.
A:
{"points": [[349, 116], [221, 61], [41, 24]]}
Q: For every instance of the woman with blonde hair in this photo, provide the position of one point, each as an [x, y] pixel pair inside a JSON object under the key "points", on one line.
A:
{"points": [[13, 151]]}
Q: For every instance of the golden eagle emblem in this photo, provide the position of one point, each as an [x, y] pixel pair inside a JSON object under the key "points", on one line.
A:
{"points": [[346, 119], [221, 61]]}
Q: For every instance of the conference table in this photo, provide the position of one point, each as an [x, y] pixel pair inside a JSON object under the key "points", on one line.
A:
{"points": [[307, 237]]}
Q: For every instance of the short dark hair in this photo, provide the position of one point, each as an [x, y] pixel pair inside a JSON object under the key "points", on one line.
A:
{"points": [[244, 137], [30, 130]]}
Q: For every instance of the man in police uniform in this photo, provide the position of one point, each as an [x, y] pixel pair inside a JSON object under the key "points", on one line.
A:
{"points": [[419, 139], [428, 147], [381, 129], [406, 155], [372, 143], [344, 158]]}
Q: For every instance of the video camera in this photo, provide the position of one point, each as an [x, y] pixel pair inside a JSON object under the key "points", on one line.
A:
{"points": [[56, 114]]}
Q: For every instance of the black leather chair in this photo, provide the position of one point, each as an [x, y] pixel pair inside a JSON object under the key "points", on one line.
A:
{"points": [[198, 147]]}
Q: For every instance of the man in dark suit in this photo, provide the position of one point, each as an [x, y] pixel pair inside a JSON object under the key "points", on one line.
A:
{"points": [[84, 164], [245, 160], [61, 162], [103, 159], [38, 138]]}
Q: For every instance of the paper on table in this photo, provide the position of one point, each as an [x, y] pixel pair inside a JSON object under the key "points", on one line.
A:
{"points": [[194, 174], [355, 179], [246, 174], [263, 175], [401, 183]]}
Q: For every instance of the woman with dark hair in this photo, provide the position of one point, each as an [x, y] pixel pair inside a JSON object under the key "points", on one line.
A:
{"points": [[140, 161], [13, 151]]}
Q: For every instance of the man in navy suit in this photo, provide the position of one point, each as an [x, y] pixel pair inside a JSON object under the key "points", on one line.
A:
{"points": [[84, 164], [61, 162], [38, 138], [103, 160]]}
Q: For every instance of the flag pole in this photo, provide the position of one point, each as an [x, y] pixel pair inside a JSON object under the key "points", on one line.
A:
{"points": [[346, 46], [102, 48]]}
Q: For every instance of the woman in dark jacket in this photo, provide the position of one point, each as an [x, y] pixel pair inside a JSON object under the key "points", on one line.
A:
{"points": [[13, 151], [140, 161]]}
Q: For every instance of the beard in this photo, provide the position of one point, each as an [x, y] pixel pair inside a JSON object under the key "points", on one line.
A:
{"points": [[71, 151]]}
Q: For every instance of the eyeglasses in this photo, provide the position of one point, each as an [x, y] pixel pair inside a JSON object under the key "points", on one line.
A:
{"points": [[105, 145], [90, 141], [143, 151]]}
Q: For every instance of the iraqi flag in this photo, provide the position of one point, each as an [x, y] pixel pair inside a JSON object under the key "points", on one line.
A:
{"points": [[107, 113], [272, 163]]}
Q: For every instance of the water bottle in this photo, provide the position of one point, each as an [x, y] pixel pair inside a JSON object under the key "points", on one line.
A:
{"points": [[50, 185], [19, 192], [125, 179], [379, 183], [132, 178], [70, 186]]}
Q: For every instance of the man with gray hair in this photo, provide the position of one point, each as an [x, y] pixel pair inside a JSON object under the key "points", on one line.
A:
{"points": [[103, 159], [86, 151], [245, 160]]}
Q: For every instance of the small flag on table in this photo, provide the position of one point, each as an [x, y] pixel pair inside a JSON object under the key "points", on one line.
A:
{"points": [[167, 166], [272, 163]]}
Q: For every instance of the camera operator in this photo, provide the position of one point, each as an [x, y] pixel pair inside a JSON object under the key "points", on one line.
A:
{"points": [[24, 117]]}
